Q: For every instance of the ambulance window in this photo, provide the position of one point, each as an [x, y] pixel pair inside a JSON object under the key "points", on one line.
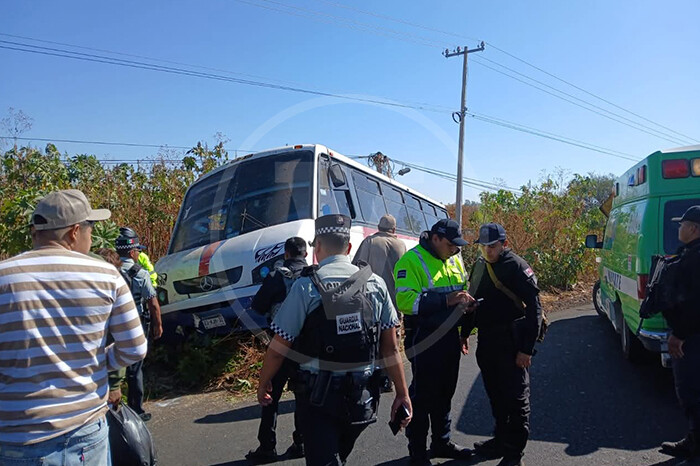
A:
{"points": [[670, 228]]}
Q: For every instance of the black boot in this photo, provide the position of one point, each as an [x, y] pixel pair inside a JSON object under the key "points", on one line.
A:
{"points": [[262, 456], [490, 449], [418, 455], [295, 450], [686, 448], [511, 461], [450, 450]]}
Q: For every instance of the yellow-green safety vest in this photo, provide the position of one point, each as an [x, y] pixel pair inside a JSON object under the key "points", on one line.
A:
{"points": [[419, 271]]}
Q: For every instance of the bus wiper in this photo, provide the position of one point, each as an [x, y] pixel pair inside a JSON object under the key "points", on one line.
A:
{"points": [[245, 215]]}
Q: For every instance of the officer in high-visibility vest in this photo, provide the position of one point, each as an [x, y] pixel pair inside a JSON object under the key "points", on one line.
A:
{"points": [[431, 293]]}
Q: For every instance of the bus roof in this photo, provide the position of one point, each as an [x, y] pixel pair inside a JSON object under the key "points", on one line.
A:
{"points": [[644, 179], [323, 149]]}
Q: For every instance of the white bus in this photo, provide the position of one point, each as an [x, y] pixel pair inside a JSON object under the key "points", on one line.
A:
{"points": [[233, 223]]}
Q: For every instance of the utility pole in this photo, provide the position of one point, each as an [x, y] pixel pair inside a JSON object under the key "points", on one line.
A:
{"points": [[458, 117]]}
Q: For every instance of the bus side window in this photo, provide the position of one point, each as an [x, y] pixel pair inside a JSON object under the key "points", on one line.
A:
{"points": [[370, 198], [415, 214], [396, 207], [431, 215]]}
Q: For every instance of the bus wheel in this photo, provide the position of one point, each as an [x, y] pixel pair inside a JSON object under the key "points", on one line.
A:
{"points": [[597, 299], [632, 348]]}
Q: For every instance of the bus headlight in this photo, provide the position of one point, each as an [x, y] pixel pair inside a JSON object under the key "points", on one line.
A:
{"points": [[162, 294]]}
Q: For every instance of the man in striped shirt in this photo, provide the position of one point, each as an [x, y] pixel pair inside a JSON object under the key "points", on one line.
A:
{"points": [[57, 306]]}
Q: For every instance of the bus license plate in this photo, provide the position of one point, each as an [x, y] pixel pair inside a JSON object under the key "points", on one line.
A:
{"points": [[214, 322]]}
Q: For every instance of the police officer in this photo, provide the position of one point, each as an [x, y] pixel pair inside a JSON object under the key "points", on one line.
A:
{"points": [[343, 318], [683, 316], [128, 246], [266, 301], [430, 292], [508, 319]]}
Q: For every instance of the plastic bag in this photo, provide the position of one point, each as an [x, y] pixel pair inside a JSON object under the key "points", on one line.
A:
{"points": [[130, 440]]}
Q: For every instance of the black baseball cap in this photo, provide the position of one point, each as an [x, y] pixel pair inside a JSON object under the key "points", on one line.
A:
{"points": [[490, 233], [448, 228], [690, 215]]}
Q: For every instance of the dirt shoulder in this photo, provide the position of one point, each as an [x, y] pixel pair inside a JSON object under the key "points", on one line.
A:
{"points": [[580, 294]]}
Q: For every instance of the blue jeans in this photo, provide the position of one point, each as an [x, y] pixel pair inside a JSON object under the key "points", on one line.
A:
{"points": [[85, 446]]}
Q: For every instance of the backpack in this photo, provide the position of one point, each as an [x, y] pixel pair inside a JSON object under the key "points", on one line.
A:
{"points": [[660, 294], [342, 332], [288, 277], [129, 276]]}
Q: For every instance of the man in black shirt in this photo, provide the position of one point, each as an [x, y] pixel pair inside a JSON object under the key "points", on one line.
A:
{"points": [[683, 316], [267, 301], [508, 319]]}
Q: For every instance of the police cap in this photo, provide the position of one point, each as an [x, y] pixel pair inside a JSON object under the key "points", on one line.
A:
{"points": [[127, 240], [490, 233], [690, 215], [334, 223]]}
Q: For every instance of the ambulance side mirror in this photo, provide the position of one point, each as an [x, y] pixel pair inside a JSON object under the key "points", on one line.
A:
{"points": [[593, 243]]}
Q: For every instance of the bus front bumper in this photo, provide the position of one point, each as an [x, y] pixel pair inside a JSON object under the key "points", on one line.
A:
{"points": [[214, 319]]}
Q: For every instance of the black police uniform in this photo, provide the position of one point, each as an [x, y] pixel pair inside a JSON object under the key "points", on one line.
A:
{"points": [[504, 330], [272, 292], [684, 319]]}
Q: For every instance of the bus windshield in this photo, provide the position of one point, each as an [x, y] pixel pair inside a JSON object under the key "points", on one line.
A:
{"points": [[245, 197]]}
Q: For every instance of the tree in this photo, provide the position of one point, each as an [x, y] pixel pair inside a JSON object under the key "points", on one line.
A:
{"points": [[15, 124]]}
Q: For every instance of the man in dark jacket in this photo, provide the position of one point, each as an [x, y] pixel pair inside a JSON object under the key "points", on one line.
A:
{"points": [[267, 301], [683, 316], [508, 318]]}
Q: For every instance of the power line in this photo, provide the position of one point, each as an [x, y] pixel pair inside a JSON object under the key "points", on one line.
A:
{"points": [[660, 134], [445, 175], [462, 36], [179, 71], [102, 143], [554, 137], [141, 65], [589, 93], [189, 65], [400, 21], [349, 23]]}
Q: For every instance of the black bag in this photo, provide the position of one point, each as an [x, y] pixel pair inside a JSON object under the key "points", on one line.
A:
{"points": [[659, 290], [130, 441]]}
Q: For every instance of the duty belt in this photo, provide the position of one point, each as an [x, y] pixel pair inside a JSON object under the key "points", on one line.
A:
{"points": [[337, 381]]}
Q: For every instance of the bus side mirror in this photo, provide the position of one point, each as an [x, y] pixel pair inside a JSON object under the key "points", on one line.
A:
{"points": [[593, 243], [337, 176]]}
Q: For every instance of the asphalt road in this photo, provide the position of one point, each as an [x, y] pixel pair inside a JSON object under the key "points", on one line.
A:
{"points": [[589, 407]]}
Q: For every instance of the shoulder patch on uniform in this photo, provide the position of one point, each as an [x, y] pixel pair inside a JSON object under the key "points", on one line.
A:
{"points": [[528, 272], [400, 274]]}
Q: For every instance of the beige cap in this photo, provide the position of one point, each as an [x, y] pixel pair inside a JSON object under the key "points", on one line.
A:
{"points": [[64, 208], [387, 222]]}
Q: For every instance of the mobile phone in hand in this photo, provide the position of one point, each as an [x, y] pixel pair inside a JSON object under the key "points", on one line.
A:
{"points": [[401, 414]]}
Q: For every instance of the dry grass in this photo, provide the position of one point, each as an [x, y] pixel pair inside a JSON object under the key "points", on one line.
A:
{"points": [[580, 294]]}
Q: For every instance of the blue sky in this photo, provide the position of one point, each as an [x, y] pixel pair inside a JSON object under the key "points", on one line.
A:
{"points": [[640, 55]]}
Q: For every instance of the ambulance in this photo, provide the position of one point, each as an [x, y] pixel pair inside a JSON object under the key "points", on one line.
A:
{"points": [[639, 226]]}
